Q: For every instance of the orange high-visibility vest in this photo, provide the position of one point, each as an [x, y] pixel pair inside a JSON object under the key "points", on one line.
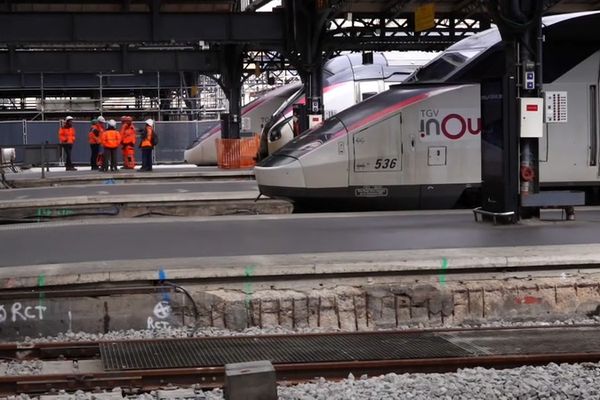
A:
{"points": [[147, 139], [111, 139], [128, 135], [94, 136], [66, 135]]}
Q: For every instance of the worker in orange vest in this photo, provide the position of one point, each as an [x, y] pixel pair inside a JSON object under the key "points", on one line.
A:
{"points": [[94, 140], [128, 142], [101, 126], [147, 144], [66, 136], [111, 139]]}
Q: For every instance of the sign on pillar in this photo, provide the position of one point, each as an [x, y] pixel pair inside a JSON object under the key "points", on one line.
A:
{"points": [[315, 105], [424, 17]]}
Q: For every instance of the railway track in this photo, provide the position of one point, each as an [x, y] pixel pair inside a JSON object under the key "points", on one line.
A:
{"points": [[146, 365]]}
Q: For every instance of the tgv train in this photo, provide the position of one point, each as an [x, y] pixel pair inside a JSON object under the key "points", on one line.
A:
{"points": [[417, 145], [254, 114], [346, 81]]}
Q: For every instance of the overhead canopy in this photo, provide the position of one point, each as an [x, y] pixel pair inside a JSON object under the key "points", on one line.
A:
{"points": [[357, 6]]}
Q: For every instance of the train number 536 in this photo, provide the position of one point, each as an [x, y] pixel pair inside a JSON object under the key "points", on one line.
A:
{"points": [[386, 163]]}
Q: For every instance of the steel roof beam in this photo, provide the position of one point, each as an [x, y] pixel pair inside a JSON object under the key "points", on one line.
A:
{"points": [[262, 29], [111, 61]]}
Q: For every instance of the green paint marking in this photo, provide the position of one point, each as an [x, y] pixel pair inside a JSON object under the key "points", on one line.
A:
{"points": [[41, 282], [49, 212], [442, 275], [249, 270], [248, 288]]}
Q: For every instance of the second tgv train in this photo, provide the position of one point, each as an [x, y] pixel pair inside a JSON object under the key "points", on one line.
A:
{"points": [[254, 114], [417, 145], [346, 81]]}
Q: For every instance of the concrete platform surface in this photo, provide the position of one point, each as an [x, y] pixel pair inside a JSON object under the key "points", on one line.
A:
{"points": [[434, 262], [47, 196], [58, 176], [166, 238]]}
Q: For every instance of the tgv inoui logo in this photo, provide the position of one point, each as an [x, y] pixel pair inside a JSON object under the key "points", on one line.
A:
{"points": [[451, 124]]}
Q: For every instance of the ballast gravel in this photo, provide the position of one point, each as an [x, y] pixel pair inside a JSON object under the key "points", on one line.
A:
{"points": [[20, 368], [182, 332], [170, 333], [579, 381], [565, 381]]}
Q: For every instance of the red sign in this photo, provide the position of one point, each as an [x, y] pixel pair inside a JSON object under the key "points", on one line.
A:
{"points": [[532, 107]]}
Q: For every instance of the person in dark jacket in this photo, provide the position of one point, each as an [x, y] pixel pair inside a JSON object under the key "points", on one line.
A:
{"points": [[94, 140], [147, 145]]}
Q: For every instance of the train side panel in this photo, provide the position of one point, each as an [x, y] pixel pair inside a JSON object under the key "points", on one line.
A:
{"points": [[443, 134], [425, 155], [569, 149]]}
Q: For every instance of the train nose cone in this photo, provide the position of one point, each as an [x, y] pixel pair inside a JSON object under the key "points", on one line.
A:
{"points": [[277, 173], [204, 153]]}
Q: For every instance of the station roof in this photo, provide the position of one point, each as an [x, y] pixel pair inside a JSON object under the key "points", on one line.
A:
{"points": [[357, 6], [457, 6], [117, 5]]}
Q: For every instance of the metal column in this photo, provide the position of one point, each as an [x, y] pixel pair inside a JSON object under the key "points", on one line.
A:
{"points": [[231, 81], [306, 22], [503, 188]]}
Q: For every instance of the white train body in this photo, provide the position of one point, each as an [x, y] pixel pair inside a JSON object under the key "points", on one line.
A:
{"points": [[418, 145], [347, 87], [254, 115], [346, 82]]}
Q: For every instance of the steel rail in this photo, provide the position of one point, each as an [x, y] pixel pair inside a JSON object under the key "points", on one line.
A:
{"points": [[211, 377]]}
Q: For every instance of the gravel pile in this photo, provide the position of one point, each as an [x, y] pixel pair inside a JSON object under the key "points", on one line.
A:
{"points": [[576, 381], [182, 332], [170, 333], [20, 368]]}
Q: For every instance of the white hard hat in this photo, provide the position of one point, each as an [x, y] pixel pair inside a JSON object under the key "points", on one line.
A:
{"points": [[68, 118], [150, 122], [112, 123], [101, 119]]}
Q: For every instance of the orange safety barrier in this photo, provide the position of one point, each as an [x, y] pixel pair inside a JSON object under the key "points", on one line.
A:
{"points": [[237, 153]]}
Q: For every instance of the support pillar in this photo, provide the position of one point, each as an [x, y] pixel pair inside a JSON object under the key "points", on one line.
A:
{"points": [[314, 87], [529, 69], [507, 182], [307, 21], [232, 57]]}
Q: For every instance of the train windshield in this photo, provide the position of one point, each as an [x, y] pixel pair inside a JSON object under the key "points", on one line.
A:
{"points": [[289, 103], [445, 65], [313, 138]]}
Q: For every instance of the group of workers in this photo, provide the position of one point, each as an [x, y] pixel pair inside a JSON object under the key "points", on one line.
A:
{"points": [[105, 139]]}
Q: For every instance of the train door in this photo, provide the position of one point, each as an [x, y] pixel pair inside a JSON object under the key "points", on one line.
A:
{"points": [[376, 157]]}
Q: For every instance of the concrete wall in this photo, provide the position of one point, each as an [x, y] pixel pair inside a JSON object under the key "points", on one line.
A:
{"points": [[400, 305], [428, 301]]}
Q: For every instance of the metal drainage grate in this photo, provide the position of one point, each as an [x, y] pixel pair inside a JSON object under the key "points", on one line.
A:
{"points": [[211, 352]]}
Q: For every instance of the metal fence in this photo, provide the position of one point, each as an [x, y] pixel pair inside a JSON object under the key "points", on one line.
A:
{"points": [[174, 137]]}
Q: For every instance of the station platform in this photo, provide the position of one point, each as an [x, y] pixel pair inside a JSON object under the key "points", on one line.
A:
{"points": [[164, 239], [180, 172], [350, 271], [168, 191]]}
